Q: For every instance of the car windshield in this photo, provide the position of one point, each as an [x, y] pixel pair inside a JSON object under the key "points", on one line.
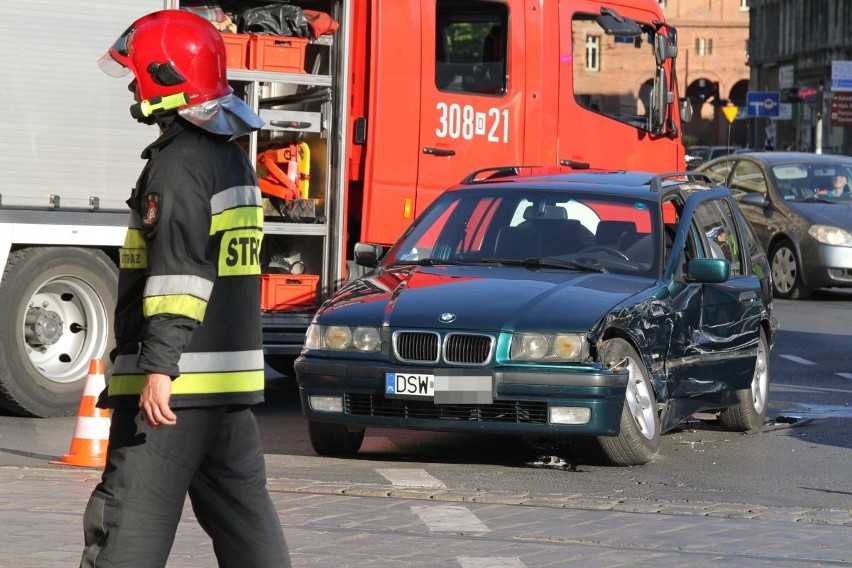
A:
{"points": [[538, 229], [814, 182]]}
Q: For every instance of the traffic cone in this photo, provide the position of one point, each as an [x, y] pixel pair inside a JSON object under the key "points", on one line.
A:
{"points": [[91, 433]]}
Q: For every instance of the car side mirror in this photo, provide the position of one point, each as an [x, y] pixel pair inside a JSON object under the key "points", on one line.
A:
{"points": [[754, 198], [708, 270], [368, 254]]}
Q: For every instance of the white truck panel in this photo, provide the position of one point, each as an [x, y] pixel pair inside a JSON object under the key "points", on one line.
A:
{"points": [[66, 127]]}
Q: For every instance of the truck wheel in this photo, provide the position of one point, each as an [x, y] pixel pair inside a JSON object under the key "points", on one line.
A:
{"points": [[750, 410], [57, 306], [639, 439], [334, 439]]}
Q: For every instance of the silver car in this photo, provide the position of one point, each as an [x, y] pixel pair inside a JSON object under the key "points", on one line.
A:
{"points": [[800, 205]]}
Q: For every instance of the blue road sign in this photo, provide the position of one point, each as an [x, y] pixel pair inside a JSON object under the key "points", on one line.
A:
{"points": [[765, 104]]}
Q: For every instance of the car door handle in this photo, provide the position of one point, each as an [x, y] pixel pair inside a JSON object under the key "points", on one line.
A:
{"points": [[438, 152], [748, 296]]}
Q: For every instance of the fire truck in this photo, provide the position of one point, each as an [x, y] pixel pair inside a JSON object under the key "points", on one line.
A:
{"points": [[369, 115]]}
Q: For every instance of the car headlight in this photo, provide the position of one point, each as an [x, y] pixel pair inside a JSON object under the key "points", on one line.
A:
{"points": [[562, 347], [828, 235], [343, 338]]}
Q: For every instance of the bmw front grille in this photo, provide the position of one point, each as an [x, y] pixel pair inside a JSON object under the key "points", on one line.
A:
{"points": [[429, 347]]}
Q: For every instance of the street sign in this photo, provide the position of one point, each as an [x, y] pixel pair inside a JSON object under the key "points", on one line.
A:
{"points": [[765, 104], [841, 110], [841, 76], [730, 113]]}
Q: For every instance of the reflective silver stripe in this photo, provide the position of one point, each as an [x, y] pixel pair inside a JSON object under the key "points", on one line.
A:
{"points": [[223, 362], [178, 284], [239, 196], [135, 221]]}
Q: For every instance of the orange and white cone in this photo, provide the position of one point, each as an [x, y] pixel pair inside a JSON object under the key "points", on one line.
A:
{"points": [[91, 433]]}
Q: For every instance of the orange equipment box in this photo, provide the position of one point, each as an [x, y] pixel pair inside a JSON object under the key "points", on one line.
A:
{"points": [[281, 54], [286, 291], [237, 50]]}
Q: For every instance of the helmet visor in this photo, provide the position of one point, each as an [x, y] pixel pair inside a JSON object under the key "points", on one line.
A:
{"points": [[111, 62]]}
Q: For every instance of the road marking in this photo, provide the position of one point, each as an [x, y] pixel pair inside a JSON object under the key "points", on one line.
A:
{"points": [[410, 478], [491, 562], [799, 360], [449, 518], [845, 375]]}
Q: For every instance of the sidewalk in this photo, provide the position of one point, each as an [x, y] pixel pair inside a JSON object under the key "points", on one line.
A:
{"points": [[337, 527]]}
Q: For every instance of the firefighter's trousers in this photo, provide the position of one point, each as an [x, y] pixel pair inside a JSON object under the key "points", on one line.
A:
{"points": [[214, 455]]}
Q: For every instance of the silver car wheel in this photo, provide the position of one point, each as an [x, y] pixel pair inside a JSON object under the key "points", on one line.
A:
{"points": [[639, 401], [784, 269], [760, 382]]}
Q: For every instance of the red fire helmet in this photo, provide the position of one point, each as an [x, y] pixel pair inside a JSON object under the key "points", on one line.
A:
{"points": [[177, 57]]}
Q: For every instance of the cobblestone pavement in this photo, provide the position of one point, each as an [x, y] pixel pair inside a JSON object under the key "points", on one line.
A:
{"points": [[375, 525]]}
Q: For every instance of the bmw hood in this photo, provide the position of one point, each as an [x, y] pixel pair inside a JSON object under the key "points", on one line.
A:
{"points": [[480, 297]]}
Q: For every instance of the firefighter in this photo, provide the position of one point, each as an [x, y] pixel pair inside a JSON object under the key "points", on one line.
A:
{"points": [[188, 362]]}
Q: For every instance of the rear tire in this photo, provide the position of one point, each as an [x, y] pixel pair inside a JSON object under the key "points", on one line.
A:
{"points": [[639, 439], [334, 439], [57, 306], [750, 410]]}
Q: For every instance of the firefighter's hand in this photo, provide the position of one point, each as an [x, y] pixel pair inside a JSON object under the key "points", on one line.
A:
{"points": [[154, 401]]}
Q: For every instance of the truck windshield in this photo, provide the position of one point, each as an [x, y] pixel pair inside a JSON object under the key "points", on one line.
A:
{"points": [[614, 75]]}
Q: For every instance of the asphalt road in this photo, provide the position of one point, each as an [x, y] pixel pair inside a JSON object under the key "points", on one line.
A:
{"points": [[800, 459]]}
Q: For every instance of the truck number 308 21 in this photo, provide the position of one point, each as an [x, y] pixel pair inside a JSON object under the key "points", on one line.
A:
{"points": [[457, 121]]}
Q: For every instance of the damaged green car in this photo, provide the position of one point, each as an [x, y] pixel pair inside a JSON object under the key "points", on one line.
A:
{"points": [[611, 305]]}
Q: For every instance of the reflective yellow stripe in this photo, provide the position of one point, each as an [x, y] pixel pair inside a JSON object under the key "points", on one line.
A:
{"points": [[132, 259], [178, 304], [194, 383], [241, 217], [239, 252], [134, 254], [134, 239]]}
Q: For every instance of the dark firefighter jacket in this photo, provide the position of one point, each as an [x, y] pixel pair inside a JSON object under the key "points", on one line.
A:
{"points": [[189, 292]]}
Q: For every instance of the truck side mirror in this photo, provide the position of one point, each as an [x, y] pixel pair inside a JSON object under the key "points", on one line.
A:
{"points": [[661, 98], [685, 109]]}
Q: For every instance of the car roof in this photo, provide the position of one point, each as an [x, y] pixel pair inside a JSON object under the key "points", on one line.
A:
{"points": [[633, 183], [773, 158]]}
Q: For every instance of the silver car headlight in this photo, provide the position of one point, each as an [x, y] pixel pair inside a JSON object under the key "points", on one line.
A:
{"points": [[828, 235], [343, 338], [554, 347]]}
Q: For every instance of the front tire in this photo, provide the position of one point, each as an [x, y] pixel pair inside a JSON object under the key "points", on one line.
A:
{"points": [[57, 305], [750, 410], [334, 439], [639, 439], [787, 273]]}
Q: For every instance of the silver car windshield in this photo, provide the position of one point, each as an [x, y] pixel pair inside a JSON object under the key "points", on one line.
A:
{"points": [[822, 182]]}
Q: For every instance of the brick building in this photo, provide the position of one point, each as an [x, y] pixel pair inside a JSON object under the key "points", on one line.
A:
{"points": [[712, 66]]}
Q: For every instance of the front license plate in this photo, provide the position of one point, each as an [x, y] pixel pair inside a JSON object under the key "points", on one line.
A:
{"points": [[407, 384]]}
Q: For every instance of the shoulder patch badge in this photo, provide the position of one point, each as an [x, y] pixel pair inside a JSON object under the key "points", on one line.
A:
{"points": [[151, 204]]}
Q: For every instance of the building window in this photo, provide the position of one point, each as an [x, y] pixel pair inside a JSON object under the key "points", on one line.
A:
{"points": [[663, 3], [593, 53], [743, 4], [703, 46]]}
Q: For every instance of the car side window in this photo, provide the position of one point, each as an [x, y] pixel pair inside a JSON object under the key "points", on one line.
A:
{"points": [[748, 178], [671, 215], [718, 173], [718, 233]]}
